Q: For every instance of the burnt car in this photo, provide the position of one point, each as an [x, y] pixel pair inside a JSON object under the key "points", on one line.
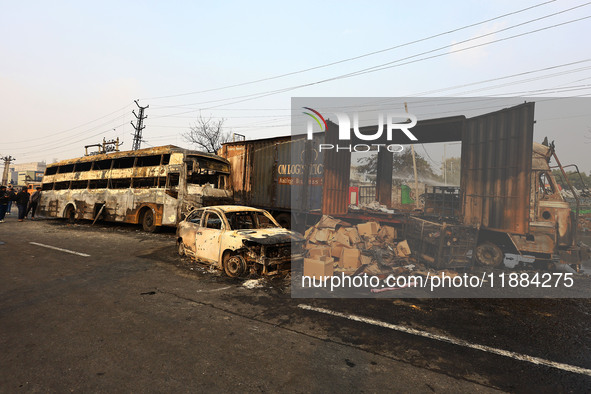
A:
{"points": [[238, 240]]}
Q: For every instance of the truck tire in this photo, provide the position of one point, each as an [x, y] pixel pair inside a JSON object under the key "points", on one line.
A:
{"points": [[489, 255]]}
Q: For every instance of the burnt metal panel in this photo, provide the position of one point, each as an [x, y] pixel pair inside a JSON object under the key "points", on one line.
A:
{"points": [[384, 177], [496, 164], [337, 171], [263, 174]]}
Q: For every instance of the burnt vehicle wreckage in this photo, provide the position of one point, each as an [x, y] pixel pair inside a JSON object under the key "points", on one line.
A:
{"points": [[507, 202], [153, 187], [238, 240]]}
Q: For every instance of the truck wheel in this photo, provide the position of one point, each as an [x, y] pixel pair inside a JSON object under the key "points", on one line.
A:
{"points": [[489, 254], [148, 222], [234, 266]]}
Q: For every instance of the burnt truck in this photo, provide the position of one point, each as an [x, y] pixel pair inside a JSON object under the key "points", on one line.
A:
{"points": [[508, 200], [509, 193]]}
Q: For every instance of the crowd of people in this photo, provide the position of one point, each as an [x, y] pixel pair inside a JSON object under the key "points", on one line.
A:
{"points": [[26, 203]]}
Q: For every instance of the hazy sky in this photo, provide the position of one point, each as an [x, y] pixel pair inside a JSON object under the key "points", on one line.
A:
{"points": [[71, 70]]}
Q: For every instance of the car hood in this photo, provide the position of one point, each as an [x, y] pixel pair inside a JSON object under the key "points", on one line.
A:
{"points": [[270, 236]]}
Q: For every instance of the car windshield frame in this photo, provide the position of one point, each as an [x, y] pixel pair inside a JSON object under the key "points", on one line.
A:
{"points": [[255, 216]]}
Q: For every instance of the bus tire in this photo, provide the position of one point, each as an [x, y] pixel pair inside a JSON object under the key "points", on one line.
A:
{"points": [[70, 214], [148, 221]]}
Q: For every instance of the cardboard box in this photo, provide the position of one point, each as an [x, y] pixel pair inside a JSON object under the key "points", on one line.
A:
{"points": [[368, 229], [365, 259], [353, 235], [323, 235], [342, 237], [317, 268], [336, 250], [387, 233], [319, 251], [402, 249], [350, 258]]}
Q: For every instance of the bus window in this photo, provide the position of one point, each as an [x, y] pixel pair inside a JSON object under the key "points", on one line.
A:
{"points": [[120, 183], [102, 165], [85, 166], [124, 162], [66, 168], [148, 161], [79, 185]]}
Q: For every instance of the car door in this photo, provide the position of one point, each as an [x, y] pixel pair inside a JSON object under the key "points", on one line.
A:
{"points": [[188, 228], [208, 237]]}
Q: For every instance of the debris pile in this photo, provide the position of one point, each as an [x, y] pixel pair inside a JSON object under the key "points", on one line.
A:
{"points": [[337, 246], [373, 206]]}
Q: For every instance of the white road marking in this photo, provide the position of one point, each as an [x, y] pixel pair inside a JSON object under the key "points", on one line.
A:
{"points": [[209, 291], [60, 249], [455, 341]]}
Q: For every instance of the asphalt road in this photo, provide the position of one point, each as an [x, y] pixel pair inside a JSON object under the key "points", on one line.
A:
{"points": [[128, 314]]}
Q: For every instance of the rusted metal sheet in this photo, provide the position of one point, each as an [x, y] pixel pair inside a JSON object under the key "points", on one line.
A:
{"points": [[275, 173], [337, 171], [384, 177], [496, 166]]}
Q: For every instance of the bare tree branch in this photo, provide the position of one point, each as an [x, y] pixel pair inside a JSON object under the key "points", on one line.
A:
{"points": [[207, 134]]}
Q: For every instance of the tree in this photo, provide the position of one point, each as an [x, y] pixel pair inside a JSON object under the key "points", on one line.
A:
{"points": [[451, 172], [402, 167], [207, 134], [574, 179]]}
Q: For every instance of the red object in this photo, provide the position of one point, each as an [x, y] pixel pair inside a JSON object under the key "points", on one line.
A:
{"points": [[353, 195]]}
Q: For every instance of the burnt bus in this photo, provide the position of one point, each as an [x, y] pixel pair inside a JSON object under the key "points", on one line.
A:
{"points": [[152, 187]]}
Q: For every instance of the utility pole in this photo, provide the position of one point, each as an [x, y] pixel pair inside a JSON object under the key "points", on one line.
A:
{"points": [[7, 160], [137, 137]]}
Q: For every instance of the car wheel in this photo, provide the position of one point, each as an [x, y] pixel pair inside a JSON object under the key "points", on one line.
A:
{"points": [[234, 265], [181, 248], [489, 254], [148, 221]]}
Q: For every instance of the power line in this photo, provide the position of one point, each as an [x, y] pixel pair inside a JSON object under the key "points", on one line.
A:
{"points": [[53, 134], [354, 57], [384, 66]]}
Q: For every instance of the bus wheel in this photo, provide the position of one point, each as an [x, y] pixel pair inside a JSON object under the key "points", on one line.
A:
{"points": [[148, 222], [70, 214], [234, 265], [489, 254]]}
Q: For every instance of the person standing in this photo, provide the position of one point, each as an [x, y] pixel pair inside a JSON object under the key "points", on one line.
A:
{"points": [[35, 197], [4, 199], [10, 191], [22, 200]]}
